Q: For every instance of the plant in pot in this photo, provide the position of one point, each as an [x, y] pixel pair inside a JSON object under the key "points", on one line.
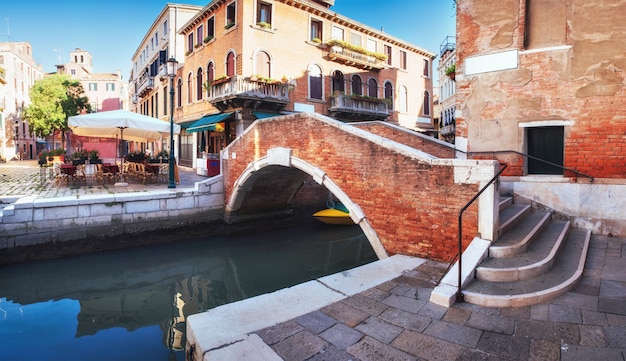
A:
{"points": [[451, 71], [79, 157], [94, 157]]}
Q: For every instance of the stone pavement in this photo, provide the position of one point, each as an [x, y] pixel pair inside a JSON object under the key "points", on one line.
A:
{"points": [[20, 178], [395, 321]]}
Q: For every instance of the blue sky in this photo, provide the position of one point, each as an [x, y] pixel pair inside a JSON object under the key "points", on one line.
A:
{"points": [[111, 30]]}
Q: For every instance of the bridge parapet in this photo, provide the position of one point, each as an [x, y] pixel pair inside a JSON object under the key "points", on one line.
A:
{"points": [[405, 199]]}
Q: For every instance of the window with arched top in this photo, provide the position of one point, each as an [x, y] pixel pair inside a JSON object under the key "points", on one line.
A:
{"points": [[357, 85], [210, 75], [372, 88], [404, 101], [315, 82], [179, 93], [262, 64], [189, 89], [389, 94], [230, 64], [426, 103], [338, 84], [199, 90]]}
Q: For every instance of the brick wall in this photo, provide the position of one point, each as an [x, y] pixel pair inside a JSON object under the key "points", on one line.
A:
{"points": [[413, 205]]}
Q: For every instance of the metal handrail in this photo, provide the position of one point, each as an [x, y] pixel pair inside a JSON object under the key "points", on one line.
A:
{"points": [[531, 157], [459, 294]]}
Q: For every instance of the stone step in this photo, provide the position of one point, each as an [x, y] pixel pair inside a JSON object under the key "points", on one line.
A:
{"points": [[511, 215], [564, 275], [505, 202], [538, 258], [516, 240]]}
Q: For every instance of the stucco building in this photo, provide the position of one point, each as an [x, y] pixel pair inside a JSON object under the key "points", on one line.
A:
{"points": [[18, 73], [249, 59], [447, 85]]}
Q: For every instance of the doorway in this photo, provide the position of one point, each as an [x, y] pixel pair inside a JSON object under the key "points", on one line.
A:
{"points": [[545, 143]]}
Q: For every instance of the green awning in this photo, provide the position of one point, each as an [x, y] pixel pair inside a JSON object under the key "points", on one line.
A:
{"points": [[262, 115], [206, 123]]}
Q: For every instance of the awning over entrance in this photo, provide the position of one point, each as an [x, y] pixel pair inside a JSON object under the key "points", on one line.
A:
{"points": [[208, 122], [262, 115]]}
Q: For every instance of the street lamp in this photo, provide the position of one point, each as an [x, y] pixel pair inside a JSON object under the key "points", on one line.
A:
{"points": [[171, 72]]}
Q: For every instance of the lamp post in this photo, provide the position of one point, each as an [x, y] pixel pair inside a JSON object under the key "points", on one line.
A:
{"points": [[171, 72]]}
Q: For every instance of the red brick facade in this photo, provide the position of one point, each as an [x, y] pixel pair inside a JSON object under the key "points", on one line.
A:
{"points": [[569, 73]]}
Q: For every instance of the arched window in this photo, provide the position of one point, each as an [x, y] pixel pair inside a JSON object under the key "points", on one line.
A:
{"points": [[262, 64], [179, 93], [426, 103], [357, 85], [315, 82], [404, 102], [199, 90], [210, 75], [372, 88], [189, 89], [389, 94], [230, 64], [338, 82]]}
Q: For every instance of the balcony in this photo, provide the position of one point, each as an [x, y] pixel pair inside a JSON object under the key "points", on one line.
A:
{"points": [[241, 92], [347, 107], [447, 130], [144, 84], [347, 54]]}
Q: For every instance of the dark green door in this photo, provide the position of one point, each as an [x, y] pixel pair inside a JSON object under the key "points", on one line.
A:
{"points": [[545, 143]]}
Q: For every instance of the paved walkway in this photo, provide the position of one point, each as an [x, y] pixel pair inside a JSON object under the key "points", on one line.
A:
{"points": [[395, 321], [20, 178]]}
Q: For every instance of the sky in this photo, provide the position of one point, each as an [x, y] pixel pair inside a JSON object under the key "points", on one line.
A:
{"points": [[112, 30]]}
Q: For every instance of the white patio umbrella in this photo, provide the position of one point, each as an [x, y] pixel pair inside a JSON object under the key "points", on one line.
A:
{"points": [[123, 123]]}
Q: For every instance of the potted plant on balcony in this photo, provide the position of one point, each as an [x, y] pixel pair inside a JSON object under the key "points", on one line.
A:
{"points": [[207, 38], [229, 25], [451, 71], [220, 80], [264, 25]]}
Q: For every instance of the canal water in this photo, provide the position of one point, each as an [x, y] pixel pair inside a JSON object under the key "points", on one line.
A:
{"points": [[132, 304]]}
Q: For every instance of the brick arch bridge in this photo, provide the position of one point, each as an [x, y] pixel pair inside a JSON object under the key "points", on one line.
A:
{"points": [[402, 188]]}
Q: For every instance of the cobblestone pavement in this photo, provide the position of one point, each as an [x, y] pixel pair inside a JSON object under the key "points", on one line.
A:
{"points": [[22, 178], [395, 321]]}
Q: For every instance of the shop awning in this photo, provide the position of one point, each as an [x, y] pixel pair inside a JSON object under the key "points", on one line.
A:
{"points": [[263, 115], [208, 122]]}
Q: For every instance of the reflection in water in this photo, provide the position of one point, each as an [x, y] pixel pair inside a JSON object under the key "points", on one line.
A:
{"points": [[123, 297]]}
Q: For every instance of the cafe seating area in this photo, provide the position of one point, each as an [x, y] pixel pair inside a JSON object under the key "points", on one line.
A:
{"points": [[102, 173]]}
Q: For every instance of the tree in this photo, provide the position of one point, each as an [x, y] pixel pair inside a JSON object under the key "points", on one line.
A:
{"points": [[54, 99]]}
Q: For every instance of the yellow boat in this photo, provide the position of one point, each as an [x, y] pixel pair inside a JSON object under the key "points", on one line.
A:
{"points": [[333, 216]]}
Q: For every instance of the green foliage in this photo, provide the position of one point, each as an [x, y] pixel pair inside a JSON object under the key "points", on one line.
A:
{"points": [[54, 99], [356, 49], [451, 69]]}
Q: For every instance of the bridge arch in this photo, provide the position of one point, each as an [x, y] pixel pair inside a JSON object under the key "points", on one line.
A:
{"points": [[283, 157]]}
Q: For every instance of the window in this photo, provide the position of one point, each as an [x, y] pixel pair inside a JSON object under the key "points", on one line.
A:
{"points": [[262, 64], [230, 64], [263, 13], [93, 86], [231, 18], [337, 33], [426, 68], [210, 27], [372, 88], [190, 42], [315, 82], [165, 27], [357, 85], [210, 72], [156, 38], [426, 105], [355, 39], [404, 103], [403, 59], [200, 35], [316, 30], [338, 82], [73, 71], [179, 92], [371, 45], [165, 95], [199, 91], [545, 143], [189, 89], [388, 53], [389, 93], [111, 87]]}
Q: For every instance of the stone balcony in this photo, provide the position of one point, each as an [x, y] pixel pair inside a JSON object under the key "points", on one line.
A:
{"points": [[349, 107], [242, 92]]}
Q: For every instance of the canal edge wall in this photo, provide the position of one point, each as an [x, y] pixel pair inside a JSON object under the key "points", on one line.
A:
{"points": [[33, 221]]}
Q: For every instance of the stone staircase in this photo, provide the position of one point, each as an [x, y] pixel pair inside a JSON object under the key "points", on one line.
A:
{"points": [[536, 258]]}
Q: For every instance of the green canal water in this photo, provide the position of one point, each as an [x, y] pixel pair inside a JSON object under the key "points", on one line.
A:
{"points": [[132, 304]]}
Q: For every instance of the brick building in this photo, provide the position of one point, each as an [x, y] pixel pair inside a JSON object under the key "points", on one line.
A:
{"points": [[248, 59], [544, 78]]}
